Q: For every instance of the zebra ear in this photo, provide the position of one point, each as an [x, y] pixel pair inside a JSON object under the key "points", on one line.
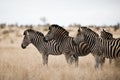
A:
{"points": [[49, 27], [79, 29], [103, 30]]}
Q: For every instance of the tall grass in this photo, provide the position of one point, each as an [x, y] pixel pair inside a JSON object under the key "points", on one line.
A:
{"points": [[19, 64]]}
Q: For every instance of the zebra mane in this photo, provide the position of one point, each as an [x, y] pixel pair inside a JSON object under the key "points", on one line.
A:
{"points": [[59, 27], [33, 31], [39, 33], [88, 30]]}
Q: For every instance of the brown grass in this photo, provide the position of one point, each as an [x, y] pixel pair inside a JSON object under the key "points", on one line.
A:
{"points": [[26, 64]]}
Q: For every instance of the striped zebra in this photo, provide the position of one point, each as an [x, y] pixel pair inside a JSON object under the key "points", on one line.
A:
{"points": [[65, 42], [45, 48], [100, 48], [108, 36], [88, 36]]}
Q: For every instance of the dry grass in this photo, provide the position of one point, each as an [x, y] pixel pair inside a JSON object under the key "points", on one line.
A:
{"points": [[19, 64]]}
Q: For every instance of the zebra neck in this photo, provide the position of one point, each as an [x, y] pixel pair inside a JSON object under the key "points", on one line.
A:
{"points": [[60, 39], [37, 41], [65, 40], [90, 41]]}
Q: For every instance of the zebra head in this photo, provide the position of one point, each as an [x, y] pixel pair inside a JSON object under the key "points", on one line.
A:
{"points": [[28, 35], [56, 32], [79, 37], [89, 33], [106, 35]]}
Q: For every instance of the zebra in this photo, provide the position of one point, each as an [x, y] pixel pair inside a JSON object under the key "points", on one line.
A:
{"points": [[108, 36], [65, 42], [100, 48], [88, 36], [45, 48]]}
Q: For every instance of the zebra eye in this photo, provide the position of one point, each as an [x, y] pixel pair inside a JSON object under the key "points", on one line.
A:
{"points": [[49, 28]]}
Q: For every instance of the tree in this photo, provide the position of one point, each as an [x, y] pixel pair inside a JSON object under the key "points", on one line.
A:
{"points": [[43, 19]]}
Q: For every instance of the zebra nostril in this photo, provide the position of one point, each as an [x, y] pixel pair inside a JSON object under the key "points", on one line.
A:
{"points": [[23, 46]]}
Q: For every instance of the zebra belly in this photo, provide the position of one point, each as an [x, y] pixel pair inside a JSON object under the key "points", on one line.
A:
{"points": [[55, 53], [82, 52], [79, 54]]}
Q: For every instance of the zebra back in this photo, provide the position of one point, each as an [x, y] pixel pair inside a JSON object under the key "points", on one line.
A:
{"points": [[88, 31], [56, 32], [108, 48]]}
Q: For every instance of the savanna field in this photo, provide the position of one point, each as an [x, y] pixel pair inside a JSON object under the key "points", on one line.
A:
{"points": [[26, 64]]}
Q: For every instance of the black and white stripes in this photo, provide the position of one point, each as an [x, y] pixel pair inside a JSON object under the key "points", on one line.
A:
{"points": [[88, 36], [45, 48], [100, 48], [108, 36], [66, 43], [57, 41], [109, 48]]}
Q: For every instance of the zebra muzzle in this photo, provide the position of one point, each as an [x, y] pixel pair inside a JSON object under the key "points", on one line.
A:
{"points": [[23, 46]]}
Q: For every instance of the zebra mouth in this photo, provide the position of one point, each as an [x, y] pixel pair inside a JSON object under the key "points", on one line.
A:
{"points": [[23, 46]]}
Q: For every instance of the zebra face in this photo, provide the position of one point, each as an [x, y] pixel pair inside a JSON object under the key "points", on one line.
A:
{"points": [[79, 37], [106, 35], [26, 41], [103, 34], [49, 36]]}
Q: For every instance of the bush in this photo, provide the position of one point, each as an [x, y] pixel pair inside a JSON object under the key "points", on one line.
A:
{"points": [[2, 26], [116, 27]]}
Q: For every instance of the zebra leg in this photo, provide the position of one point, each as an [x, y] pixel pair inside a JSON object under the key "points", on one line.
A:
{"points": [[45, 59], [101, 61], [68, 58], [72, 59], [76, 61], [96, 61]]}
